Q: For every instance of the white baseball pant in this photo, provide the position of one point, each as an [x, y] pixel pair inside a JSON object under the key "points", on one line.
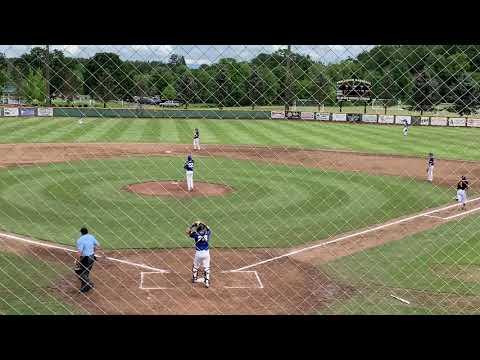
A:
{"points": [[201, 259], [189, 175], [430, 173], [461, 196], [196, 144]]}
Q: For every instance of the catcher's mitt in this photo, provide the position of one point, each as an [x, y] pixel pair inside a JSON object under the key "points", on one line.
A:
{"points": [[196, 226]]}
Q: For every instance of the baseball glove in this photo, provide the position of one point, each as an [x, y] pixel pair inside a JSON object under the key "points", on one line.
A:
{"points": [[193, 228]]}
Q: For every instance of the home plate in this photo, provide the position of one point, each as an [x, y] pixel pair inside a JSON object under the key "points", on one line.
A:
{"points": [[174, 183], [168, 152], [220, 280]]}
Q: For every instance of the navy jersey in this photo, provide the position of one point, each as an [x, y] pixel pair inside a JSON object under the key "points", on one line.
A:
{"points": [[431, 161], [189, 164], [462, 185], [201, 239], [196, 134]]}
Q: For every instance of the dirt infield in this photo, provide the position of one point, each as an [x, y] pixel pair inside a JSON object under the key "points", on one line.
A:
{"points": [[290, 285], [178, 189]]}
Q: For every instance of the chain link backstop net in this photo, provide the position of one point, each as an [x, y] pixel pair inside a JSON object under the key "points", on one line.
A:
{"points": [[334, 179]]}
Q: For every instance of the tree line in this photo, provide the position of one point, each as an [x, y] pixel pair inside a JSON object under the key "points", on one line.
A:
{"points": [[420, 77]]}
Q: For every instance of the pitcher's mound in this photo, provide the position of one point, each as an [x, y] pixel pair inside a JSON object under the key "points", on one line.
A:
{"points": [[177, 189]]}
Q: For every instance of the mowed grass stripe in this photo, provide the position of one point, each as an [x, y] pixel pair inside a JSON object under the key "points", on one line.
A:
{"points": [[61, 132], [9, 125], [33, 132], [184, 131], [121, 126], [133, 132], [101, 130], [152, 131], [249, 133], [312, 134], [280, 134], [81, 130], [213, 132]]}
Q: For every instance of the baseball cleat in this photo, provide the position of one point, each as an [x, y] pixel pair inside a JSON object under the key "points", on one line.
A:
{"points": [[194, 280], [207, 283]]}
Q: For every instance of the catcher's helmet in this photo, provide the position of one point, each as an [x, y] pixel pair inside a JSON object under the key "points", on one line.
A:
{"points": [[464, 178]]}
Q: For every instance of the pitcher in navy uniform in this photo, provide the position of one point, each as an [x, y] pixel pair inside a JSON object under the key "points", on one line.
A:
{"points": [[188, 166], [201, 233]]}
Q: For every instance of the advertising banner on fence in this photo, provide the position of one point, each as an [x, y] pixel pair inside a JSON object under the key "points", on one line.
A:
{"points": [[425, 121], [307, 115], [27, 112], [400, 119], [322, 116], [457, 122], [293, 115], [386, 119], [473, 122], [10, 111], [438, 121], [49, 112], [339, 117], [354, 117], [369, 118]]}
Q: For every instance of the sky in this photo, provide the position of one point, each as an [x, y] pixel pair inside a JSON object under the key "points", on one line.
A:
{"points": [[196, 55]]}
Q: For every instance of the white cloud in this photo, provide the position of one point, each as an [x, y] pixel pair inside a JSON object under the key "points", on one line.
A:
{"points": [[196, 54]]}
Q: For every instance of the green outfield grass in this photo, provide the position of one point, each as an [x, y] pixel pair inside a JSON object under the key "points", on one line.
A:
{"points": [[435, 261], [448, 143], [296, 205], [24, 286]]}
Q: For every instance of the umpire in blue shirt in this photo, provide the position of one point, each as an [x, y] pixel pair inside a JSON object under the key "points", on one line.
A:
{"points": [[86, 245]]}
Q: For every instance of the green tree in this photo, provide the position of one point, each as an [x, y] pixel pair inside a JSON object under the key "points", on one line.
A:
{"points": [[33, 86], [465, 95], [186, 88], [104, 77], [425, 92], [256, 88], [169, 92], [223, 87], [386, 89], [320, 89], [3, 70]]}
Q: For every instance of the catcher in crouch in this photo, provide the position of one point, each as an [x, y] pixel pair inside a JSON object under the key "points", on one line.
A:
{"points": [[201, 233]]}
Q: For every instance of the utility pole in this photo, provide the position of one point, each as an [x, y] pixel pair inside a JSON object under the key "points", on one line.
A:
{"points": [[47, 76], [287, 79]]}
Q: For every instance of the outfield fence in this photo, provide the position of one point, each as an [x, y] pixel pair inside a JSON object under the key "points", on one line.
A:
{"points": [[456, 121]]}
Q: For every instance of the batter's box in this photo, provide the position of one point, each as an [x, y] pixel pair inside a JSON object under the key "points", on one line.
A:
{"points": [[225, 279]]}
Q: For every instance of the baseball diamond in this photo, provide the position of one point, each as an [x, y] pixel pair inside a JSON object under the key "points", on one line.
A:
{"points": [[346, 191], [238, 179]]}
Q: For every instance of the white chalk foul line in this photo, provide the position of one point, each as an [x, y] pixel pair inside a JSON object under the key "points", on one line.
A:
{"points": [[461, 214], [351, 235], [64, 248]]}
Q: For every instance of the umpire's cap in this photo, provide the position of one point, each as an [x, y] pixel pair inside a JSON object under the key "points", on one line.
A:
{"points": [[84, 230]]}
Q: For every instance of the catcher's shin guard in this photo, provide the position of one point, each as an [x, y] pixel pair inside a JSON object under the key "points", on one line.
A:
{"points": [[207, 277], [194, 274]]}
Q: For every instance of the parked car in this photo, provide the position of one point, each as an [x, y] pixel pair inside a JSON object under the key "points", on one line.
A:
{"points": [[170, 103]]}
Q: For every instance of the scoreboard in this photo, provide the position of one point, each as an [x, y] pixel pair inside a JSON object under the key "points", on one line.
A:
{"points": [[354, 89]]}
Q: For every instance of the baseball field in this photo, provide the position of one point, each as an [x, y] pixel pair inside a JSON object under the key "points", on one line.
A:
{"points": [[307, 217]]}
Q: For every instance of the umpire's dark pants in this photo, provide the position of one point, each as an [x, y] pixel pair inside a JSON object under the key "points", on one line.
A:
{"points": [[86, 264]]}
